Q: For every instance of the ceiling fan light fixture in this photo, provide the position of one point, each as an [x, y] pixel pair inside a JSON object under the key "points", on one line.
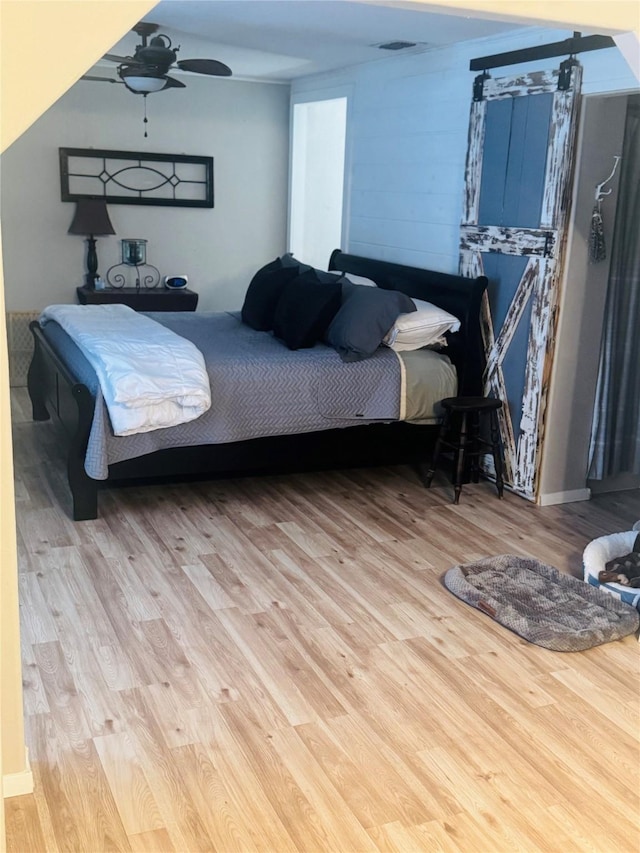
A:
{"points": [[143, 84], [147, 71]]}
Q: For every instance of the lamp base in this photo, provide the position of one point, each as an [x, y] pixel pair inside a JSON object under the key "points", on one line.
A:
{"points": [[92, 264]]}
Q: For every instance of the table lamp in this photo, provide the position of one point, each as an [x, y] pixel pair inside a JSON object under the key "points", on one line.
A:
{"points": [[92, 220]]}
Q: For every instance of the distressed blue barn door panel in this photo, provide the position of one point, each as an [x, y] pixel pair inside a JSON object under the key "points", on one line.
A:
{"points": [[513, 165], [504, 273], [518, 174]]}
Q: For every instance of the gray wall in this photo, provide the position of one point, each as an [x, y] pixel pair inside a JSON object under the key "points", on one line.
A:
{"points": [[583, 295], [244, 126]]}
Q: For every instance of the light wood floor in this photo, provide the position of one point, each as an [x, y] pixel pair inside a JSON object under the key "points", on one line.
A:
{"points": [[274, 664]]}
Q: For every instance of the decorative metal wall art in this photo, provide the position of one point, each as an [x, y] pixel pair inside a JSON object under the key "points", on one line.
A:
{"points": [[129, 177]]}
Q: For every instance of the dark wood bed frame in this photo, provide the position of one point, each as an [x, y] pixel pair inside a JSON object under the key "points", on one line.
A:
{"points": [[54, 391]]}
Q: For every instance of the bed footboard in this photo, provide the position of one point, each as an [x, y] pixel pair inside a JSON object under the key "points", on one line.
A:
{"points": [[55, 392]]}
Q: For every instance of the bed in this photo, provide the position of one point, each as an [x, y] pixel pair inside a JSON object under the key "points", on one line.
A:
{"points": [[65, 388]]}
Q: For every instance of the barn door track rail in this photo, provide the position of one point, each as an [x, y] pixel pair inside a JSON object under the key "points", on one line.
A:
{"points": [[577, 44]]}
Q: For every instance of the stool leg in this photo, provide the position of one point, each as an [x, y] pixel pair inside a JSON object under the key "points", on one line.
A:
{"points": [[497, 453], [462, 443], [474, 469], [444, 427]]}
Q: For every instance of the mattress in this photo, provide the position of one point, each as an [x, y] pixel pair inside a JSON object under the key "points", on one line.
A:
{"points": [[260, 388]]}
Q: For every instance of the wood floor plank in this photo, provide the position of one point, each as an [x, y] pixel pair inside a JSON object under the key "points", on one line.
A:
{"points": [[83, 812], [300, 819], [394, 837], [61, 691], [313, 687], [341, 826], [100, 705], [591, 738], [182, 818], [224, 821], [412, 802], [618, 714], [274, 664], [589, 834], [473, 795], [22, 825], [246, 789], [33, 693], [156, 841], [175, 528], [115, 668], [299, 575], [136, 804], [36, 624], [281, 687]]}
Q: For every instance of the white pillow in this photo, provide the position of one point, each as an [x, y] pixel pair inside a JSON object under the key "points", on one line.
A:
{"points": [[359, 279], [421, 328], [354, 279]]}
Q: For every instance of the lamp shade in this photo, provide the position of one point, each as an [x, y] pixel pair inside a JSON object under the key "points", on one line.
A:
{"points": [[91, 218]]}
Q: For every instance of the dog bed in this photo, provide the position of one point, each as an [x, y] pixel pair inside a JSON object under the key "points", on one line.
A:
{"points": [[541, 604], [601, 551]]}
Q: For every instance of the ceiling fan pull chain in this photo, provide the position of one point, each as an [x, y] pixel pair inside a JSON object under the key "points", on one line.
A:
{"points": [[146, 120]]}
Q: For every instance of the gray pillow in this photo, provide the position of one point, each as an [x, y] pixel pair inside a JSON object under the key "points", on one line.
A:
{"points": [[366, 315]]}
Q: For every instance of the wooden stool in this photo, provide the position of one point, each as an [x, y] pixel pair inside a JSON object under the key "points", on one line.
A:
{"points": [[468, 445]]}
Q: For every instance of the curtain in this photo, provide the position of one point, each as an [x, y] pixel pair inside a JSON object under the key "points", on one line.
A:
{"points": [[615, 433]]}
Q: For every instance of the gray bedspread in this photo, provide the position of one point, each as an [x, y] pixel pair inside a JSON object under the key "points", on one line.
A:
{"points": [[258, 388]]}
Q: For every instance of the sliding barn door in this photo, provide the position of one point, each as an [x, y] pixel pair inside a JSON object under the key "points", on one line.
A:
{"points": [[517, 194]]}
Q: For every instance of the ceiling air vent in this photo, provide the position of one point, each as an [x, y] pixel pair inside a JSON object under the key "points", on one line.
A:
{"points": [[396, 45]]}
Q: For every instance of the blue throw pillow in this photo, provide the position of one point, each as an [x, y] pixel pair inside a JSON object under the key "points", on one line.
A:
{"points": [[306, 307], [366, 315], [265, 290]]}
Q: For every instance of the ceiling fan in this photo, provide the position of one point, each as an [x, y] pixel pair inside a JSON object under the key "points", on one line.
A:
{"points": [[147, 70]]}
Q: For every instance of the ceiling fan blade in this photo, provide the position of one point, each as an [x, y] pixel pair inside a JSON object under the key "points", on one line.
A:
{"points": [[205, 66], [172, 83], [128, 60], [99, 79]]}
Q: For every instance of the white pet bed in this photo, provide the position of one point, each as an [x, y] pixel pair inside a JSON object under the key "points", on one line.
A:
{"points": [[599, 552]]}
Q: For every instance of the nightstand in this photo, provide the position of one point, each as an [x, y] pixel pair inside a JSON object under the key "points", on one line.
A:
{"points": [[142, 299]]}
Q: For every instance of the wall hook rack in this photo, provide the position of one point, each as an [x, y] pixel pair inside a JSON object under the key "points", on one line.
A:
{"points": [[600, 193]]}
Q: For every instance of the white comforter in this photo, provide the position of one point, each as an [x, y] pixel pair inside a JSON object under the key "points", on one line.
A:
{"points": [[150, 377]]}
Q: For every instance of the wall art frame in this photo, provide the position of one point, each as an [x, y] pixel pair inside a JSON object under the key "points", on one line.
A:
{"points": [[131, 177]]}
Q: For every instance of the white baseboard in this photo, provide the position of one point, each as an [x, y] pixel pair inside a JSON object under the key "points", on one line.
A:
{"points": [[17, 784], [552, 498]]}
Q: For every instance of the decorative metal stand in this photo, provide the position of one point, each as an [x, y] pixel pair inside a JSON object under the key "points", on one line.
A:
{"points": [[134, 257], [148, 279]]}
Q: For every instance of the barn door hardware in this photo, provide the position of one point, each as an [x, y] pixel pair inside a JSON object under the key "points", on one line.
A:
{"points": [[549, 244], [478, 86], [566, 73], [570, 46]]}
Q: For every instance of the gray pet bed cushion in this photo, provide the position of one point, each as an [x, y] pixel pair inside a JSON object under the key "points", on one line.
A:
{"points": [[541, 604]]}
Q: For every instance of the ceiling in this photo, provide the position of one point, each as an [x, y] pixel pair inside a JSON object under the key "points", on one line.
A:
{"points": [[279, 40]]}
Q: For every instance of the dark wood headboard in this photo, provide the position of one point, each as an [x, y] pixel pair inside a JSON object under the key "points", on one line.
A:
{"points": [[455, 293]]}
